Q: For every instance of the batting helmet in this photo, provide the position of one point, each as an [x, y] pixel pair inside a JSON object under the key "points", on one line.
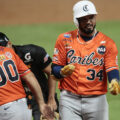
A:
{"points": [[3, 39], [83, 8]]}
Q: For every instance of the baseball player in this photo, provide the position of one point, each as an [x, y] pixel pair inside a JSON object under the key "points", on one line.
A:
{"points": [[82, 61], [37, 59], [12, 95]]}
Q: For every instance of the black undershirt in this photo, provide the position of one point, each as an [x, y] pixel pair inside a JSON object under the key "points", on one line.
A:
{"points": [[88, 38]]}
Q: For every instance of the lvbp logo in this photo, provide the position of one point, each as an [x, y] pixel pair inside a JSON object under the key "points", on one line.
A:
{"points": [[101, 50], [85, 8]]}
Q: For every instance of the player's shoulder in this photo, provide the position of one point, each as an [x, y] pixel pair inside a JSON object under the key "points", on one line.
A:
{"points": [[33, 46], [28, 47], [106, 41], [106, 38], [8, 52], [68, 35], [6, 49]]}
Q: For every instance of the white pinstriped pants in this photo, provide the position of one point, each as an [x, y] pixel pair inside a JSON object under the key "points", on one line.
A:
{"points": [[75, 107], [16, 110]]}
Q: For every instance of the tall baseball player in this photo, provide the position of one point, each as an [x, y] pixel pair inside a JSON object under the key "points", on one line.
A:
{"points": [[37, 59], [12, 95], [82, 61]]}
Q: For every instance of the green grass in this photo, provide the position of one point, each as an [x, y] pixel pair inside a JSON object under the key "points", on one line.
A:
{"points": [[45, 35]]}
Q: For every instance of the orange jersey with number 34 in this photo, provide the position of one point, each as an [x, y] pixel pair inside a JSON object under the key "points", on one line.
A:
{"points": [[11, 68], [92, 60]]}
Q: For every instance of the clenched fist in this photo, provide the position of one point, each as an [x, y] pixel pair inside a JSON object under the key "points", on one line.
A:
{"points": [[114, 87], [67, 70]]}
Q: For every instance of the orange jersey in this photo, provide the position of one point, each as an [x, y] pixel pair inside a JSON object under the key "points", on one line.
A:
{"points": [[11, 68], [92, 60]]}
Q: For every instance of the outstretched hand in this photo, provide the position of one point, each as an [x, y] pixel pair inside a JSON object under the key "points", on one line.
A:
{"points": [[52, 104]]}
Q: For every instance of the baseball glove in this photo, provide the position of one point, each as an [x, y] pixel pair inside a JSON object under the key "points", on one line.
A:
{"points": [[67, 70], [114, 87]]}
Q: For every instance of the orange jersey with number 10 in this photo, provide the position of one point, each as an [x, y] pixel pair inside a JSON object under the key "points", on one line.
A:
{"points": [[11, 68], [92, 60]]}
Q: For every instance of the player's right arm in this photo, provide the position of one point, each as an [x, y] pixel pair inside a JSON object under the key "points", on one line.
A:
{"points": [[36, 90], [60, 68], [34, 86], [52, 88]]}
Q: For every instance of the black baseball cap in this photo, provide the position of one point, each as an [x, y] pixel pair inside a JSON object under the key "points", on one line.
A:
{"points": [[3, 39]]}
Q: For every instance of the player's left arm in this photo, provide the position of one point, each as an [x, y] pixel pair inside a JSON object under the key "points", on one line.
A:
{"points": [[113, 77], [112, 68]]}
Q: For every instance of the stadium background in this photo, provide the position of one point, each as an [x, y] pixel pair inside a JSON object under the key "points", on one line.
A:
{"points": [[41, 21], [37, 11]]}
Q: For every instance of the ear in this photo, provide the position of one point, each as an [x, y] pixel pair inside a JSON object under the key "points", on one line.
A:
{"points": [[76, 22], [9, 44]]}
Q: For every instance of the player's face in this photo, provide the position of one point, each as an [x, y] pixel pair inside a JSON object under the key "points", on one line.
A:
{"points": [[87, 24]]}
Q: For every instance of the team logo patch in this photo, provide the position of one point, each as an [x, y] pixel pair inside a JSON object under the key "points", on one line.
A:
{"points": [[8, 54], [67, 35], [85, 8], [101, 50]]}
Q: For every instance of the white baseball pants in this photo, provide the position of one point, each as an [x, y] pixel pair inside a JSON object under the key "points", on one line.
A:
{"points": [[16, 110], [76, 107]]}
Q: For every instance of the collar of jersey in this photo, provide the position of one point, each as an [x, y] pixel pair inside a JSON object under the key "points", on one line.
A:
{"points": [[85, 40]]}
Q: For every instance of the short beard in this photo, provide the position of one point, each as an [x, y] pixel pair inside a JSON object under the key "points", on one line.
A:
{"points": [[87, 31]]}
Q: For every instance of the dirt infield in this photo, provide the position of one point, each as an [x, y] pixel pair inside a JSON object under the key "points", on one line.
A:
{"points": [[42, 11]]}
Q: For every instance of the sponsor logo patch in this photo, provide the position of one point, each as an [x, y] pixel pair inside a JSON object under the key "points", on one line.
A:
{"points": [[102, 42], [67, 35], [67, 46], [2, 57], [28, 57], [67, 40]]}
